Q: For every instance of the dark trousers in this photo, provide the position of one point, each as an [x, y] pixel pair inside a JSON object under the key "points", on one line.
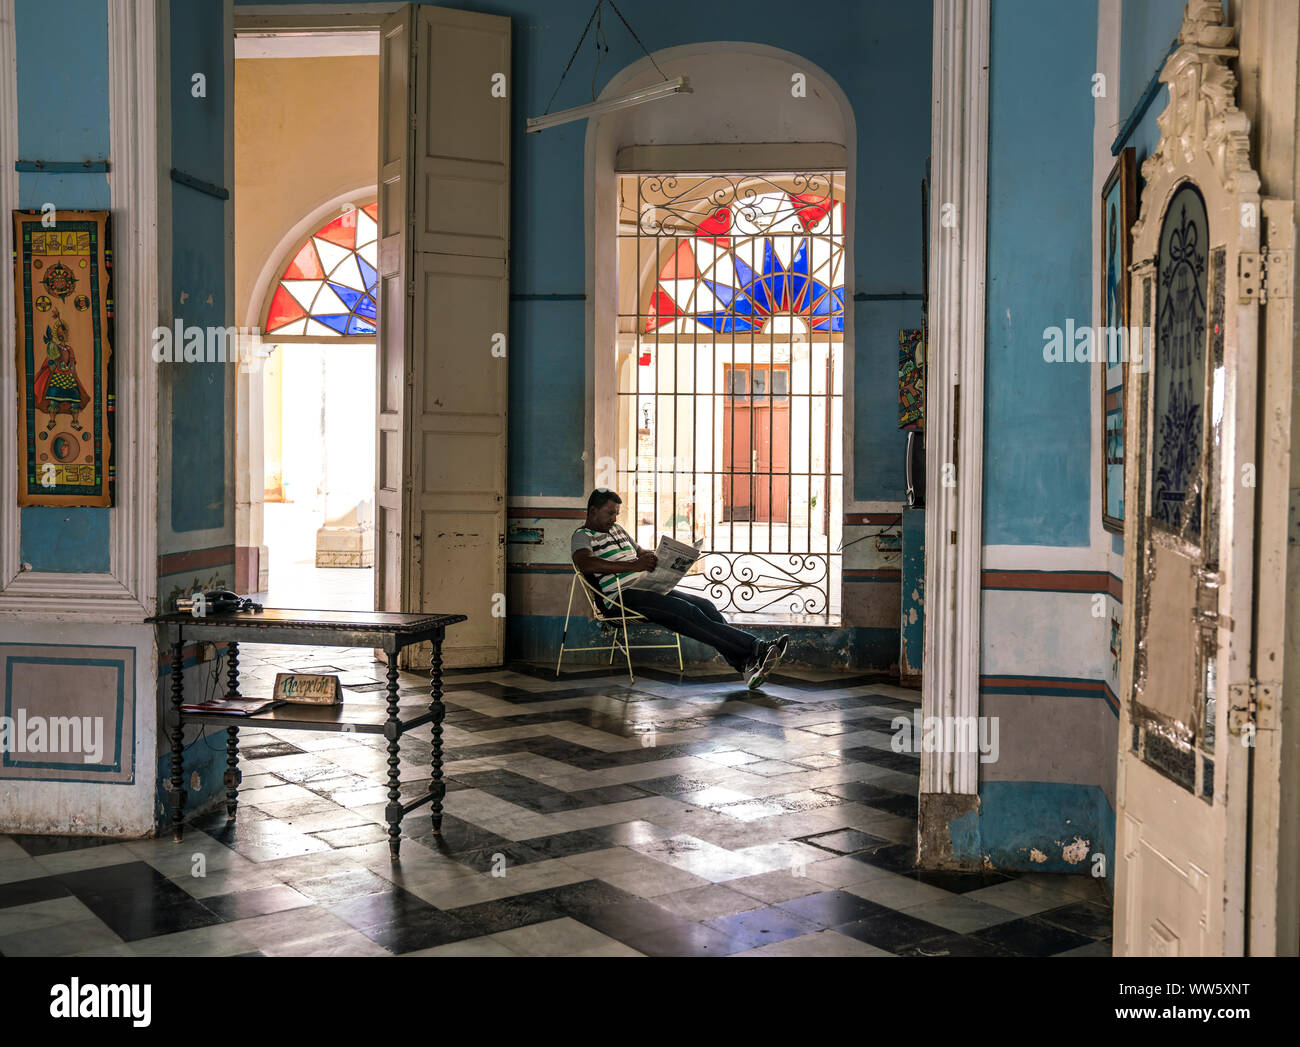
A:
{"points": [[695, 617]]}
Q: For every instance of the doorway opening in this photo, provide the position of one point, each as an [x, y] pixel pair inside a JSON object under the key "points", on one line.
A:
{"points": [[731, 382], [306, 243]]}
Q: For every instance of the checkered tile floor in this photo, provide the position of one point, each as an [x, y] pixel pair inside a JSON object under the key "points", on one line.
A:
{"points": [[584, 817]]}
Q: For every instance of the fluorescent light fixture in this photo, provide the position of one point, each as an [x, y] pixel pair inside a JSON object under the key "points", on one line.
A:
{"points": [[681, 85]]}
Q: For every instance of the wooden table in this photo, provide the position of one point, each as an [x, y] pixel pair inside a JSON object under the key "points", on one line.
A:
{"points": [[388, 631]]}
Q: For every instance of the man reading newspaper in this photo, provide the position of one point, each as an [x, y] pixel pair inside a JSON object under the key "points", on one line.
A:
{"points": [[647, 589]]}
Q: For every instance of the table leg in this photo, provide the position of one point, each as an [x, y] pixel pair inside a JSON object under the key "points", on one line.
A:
{"points": [[393, 731], [233, 777], [437, 710], [232, 671], [176, 790]]}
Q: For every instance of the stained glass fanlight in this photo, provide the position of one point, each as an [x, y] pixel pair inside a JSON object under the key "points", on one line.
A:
{"points": [[329, 288], [779, 254]]}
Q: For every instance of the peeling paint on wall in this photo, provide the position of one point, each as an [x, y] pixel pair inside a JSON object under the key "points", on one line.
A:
{"points": [[1075, 852], [1036, 855]]}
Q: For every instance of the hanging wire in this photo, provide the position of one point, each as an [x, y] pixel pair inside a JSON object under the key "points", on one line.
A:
{"points": [[637, 39], [602, 48]]}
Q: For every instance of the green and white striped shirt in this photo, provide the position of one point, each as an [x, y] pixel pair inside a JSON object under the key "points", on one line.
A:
{"points": [[616, 544]]}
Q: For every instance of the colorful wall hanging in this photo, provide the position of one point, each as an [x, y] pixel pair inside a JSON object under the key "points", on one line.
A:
{"points": [[911, 379], [63, 314]]}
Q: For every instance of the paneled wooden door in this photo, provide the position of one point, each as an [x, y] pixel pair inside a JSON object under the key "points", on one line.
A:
{"points": [[1186, 680], [444, 204]]}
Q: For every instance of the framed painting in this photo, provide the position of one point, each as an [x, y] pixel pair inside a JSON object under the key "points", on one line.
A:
{"points": [[1118, 213], [911, 378], [63, 311]]}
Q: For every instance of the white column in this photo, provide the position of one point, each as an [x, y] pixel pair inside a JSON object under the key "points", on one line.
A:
{"points": [[955, 374]]}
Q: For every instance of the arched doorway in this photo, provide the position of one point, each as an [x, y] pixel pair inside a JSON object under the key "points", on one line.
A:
{"points": [[319, 323]]}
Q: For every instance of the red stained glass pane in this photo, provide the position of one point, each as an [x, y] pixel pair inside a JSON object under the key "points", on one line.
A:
{"points": [[305, 266], [811, 209], [662, 310], [720, 222], [283, 310], [341, 231], [372, 210], [681, 266]]}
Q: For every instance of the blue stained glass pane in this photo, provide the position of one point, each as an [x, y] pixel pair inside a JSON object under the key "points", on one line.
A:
{"points": [[724, 323], [359, 326], [744, 274], [776, 289], [713, 321], [798, 284], [722, 292], [349, 295], [338, 321], [799, 264], [368, 273], [779, 284], [366, 307]]}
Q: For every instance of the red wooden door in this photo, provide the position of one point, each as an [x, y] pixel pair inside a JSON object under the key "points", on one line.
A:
{"points": [[738, 462], [756, 445], [772, 463]]}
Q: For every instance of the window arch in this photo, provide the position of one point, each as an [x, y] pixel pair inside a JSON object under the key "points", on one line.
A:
{"points": [[328, 288]]}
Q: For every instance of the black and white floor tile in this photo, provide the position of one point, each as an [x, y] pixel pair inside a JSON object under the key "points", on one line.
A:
{"points": [[676, 816]]}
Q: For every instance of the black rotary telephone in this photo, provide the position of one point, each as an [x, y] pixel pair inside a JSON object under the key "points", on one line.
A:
{"points": [[214, 601]]}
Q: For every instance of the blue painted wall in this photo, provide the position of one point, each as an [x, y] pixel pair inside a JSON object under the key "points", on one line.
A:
{"points": [[202, 395], [1146, 31], [60, 120], [200, 415], [1016, 819], [878, 52], [1037, 462], [912, 628]]}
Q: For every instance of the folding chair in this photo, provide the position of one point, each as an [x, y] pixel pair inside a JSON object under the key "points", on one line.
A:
{"points": [[612, 617]]}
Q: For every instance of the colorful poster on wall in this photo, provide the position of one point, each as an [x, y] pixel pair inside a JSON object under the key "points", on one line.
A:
{"points": [[65, 393], [911, 379]]}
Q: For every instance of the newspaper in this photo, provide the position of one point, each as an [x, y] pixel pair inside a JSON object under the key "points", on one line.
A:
{"points": [[675, 559]]}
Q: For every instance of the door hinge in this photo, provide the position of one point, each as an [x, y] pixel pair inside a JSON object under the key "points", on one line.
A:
{"points": [[501, 539], [1252, 706], [1261, 273]]}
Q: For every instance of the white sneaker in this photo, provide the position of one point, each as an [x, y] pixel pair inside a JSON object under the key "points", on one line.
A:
{"points": [[759, 670]]}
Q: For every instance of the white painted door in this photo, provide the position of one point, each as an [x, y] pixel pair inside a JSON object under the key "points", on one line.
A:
{"points": [[393, 390], [448, 196], [1181, 817]]}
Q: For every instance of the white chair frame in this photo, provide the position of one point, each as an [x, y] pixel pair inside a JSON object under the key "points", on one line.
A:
{"points": [[617, 619]]}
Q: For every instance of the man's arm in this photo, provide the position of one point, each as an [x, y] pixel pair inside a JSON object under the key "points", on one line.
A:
{"points": [[589, 563]]}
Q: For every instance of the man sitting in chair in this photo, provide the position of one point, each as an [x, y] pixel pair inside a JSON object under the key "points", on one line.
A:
{"points": [[600, 541]]}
